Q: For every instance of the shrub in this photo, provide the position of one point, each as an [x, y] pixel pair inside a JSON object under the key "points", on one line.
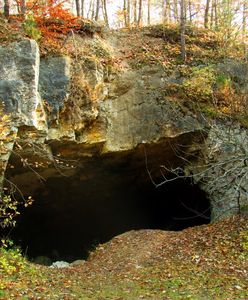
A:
{"points": [[11, 261], [30, 27], [199, 86]]}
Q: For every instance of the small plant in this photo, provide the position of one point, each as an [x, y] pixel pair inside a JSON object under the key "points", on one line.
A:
{"points": [[244, 244], [223, 80], [11, 260], [199, 86], [30, 27], [9, 209]]}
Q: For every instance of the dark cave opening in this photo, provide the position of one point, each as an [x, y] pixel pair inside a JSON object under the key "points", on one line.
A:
{"points": [[70, 216]]}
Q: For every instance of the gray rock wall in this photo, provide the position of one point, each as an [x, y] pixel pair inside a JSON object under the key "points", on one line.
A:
{"points": [[54, 80], [224, 172], [19, 74]]}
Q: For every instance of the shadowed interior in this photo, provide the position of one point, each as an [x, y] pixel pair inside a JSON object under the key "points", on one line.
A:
{"points": [[71, 215]]}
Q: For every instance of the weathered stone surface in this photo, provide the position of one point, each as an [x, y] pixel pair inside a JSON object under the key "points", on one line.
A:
{"points": [[236, 70], [224, 172], [54, 79], [19, 73], [102, 122], [137, 112]]}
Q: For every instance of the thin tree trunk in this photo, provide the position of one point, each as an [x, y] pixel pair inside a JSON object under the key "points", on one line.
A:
{"points": [[82, 8], [244, 25], [148, 12], [140, 12], [182, 30], [77, 7], [175, 8], [105, 12], [190, 12], [128, 13], [216, 15], [135, 12], [97, 10], [244, 17], [164, 11], [212, 15], [168, 8], [6, 8], [91, 10], [125, 12], [206, 14]]}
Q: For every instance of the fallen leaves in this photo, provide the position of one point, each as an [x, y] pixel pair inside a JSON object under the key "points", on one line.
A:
{"points": [[203, 262]]}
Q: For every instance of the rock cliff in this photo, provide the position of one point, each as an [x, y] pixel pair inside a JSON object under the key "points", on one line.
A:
{"points": [[79, 117]]}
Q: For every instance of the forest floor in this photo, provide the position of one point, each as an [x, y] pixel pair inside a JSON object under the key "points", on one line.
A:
{"points": [[203, 262]]}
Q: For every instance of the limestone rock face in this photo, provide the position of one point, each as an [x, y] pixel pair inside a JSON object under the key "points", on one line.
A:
{"points": [[95, 120], [137, 112], [54, 79], [224, 176], [19, 73]]}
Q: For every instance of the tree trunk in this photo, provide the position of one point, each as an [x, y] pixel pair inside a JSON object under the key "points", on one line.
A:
{"points": [[206, 14], [148, 12], [216, 16], [105, 12], [175, 8], [135, 12], [244, 25], [168, 6], [128, 13], [91, 11], [212, 15], [97, 10], [125, 12], [77, 7], [164, 11], [182, 30], [244, 17], [140, 12], [82, 8], [6, 8], [190, 12]]}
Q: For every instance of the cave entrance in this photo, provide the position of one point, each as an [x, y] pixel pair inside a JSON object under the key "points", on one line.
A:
{"points": [[70, 216]]}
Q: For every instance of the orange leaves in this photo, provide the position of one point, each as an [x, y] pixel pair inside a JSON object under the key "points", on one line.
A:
{"points": [[53, 20]]}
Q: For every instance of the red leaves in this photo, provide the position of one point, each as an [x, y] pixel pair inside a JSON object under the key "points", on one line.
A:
{"points": [[52, 18]]}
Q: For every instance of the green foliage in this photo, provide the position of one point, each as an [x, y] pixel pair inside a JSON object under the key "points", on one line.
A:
{"points": [[244, 244], [210, 111], [30, 27], [9, 209], [11, 261], [199, 86], [223, 80]]}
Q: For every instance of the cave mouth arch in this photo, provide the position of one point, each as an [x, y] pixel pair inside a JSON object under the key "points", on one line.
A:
{"points": [[71, 216]]}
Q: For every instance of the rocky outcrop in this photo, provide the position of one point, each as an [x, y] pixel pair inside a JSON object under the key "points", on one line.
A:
{"points": [[19, 73], [79, 118], [54, 80], [223, 173]]}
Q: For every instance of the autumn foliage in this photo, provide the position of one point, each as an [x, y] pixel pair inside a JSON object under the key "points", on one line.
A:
{"points": [[52, 18]]}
